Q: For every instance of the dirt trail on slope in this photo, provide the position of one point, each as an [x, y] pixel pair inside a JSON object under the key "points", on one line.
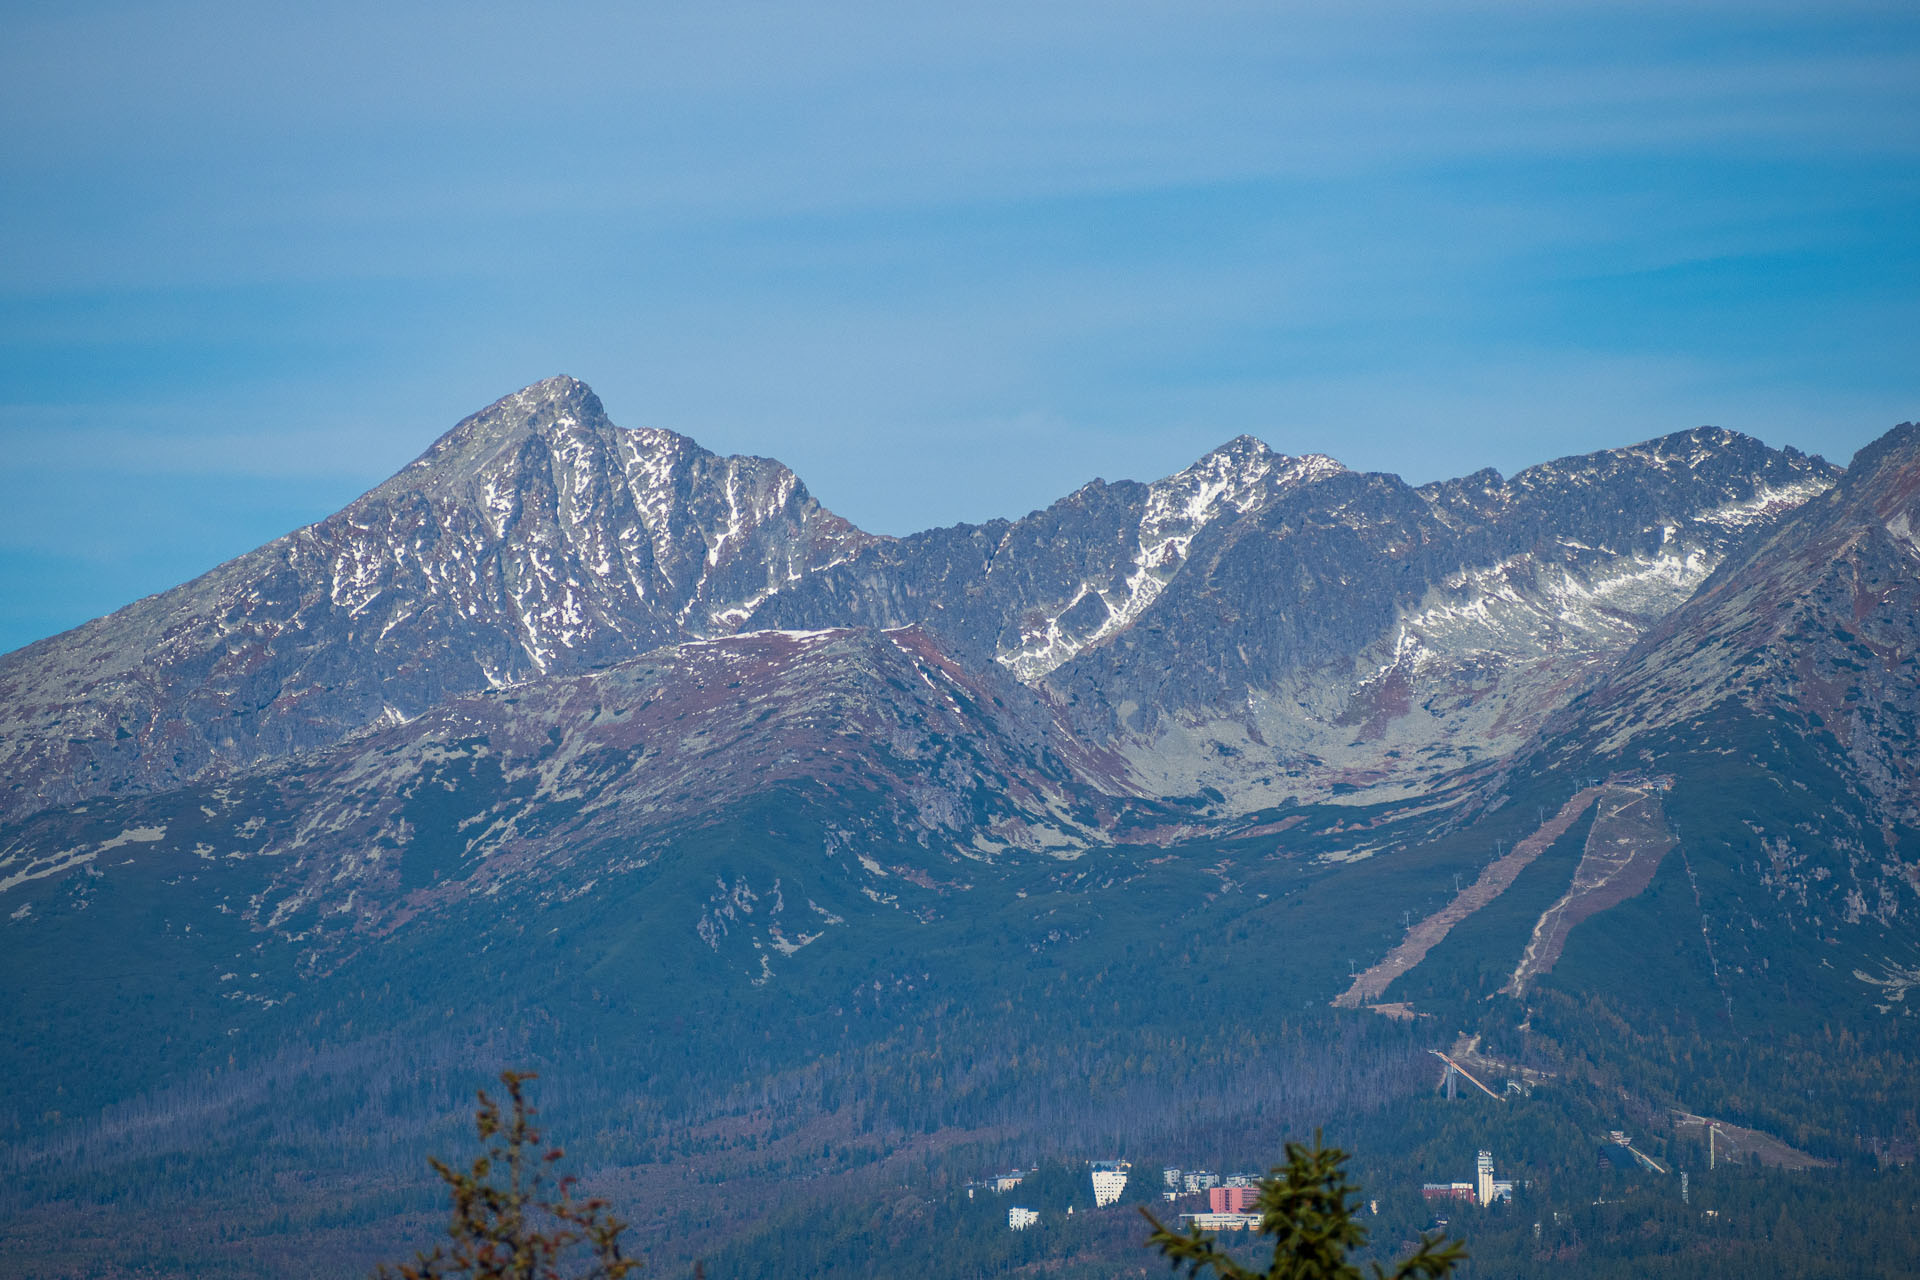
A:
{"points": [[1493, 881], [1624, 849]]}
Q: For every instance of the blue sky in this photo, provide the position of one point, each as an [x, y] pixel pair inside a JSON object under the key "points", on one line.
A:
{"points": [[948, 262]]}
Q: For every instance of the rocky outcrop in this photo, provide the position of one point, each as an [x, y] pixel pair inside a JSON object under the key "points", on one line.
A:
{"points": [[1261, 626], [535, 538]]}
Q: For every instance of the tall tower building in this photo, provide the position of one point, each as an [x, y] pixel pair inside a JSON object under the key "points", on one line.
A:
{"points": [[1483, 1179], [1109, 1180]]}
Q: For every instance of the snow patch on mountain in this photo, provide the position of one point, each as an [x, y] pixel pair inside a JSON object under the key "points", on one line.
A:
{"points": [[1235, 479], [1768, 503]]}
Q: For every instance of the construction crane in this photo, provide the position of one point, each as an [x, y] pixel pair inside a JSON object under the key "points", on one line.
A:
{"points": [[1455, 1069]]}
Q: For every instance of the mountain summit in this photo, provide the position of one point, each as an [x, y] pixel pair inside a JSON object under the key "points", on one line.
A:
{"points": [[1815, 623], [585, 744], [533, 538], [1259, 624]]}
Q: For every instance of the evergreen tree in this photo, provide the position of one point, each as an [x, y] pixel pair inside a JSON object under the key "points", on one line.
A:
{"points": [[1307, 1207], [512, 1219]]}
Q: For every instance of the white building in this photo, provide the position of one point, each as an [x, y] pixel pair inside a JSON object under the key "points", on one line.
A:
{"points": [[1222, 1221], [1483, 1178], [1197, 1180], [1109, 1180], [1008, 1181], [1019, 1219], [1170, 1176]]}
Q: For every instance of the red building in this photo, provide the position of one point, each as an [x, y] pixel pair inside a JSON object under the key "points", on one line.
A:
{"points": [[1231, 1199]]}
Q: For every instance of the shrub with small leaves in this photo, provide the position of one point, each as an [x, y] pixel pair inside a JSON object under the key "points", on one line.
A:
{"points": [[513, 1219], [1307, 1206]]}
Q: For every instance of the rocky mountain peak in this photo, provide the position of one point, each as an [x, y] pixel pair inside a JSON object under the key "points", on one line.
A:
{"points": [[1704, 450], [555, 405], [1242, 450], [1238, 475], [1903, 441], [1812, 619], [1887, 472], [1144, 548], [534, 538]]}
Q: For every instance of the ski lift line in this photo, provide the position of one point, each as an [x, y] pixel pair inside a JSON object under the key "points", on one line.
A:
{"points": [[1468, 1074]]}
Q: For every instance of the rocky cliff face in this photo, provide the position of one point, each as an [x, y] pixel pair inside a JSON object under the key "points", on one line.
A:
{"points": [[535, 538], [1274, 627], [1364, 634], [1784, 695], [1817, 619], [1262, 626]]}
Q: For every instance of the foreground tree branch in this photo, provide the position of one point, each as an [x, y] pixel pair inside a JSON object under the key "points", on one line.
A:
{"points": [[1307, 1207], [512, 1218]]}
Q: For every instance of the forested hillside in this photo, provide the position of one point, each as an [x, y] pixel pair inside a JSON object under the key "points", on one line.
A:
{"points": [[1166, 824]]}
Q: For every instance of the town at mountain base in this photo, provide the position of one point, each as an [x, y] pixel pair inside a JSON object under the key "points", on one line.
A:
{"points": [[818, 870]]}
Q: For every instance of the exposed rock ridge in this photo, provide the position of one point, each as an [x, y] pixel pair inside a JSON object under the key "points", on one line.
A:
{"points": [[533, 538], [1357, 633], [1260, 624], [1816, 619], [1241, 476]]}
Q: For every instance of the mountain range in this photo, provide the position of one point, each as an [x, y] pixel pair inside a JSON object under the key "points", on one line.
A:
{"points": [[1327, 622], [1590, 766]]}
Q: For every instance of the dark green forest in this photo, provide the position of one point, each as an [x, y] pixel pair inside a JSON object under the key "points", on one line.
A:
{"points": [[254, 1105]]}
